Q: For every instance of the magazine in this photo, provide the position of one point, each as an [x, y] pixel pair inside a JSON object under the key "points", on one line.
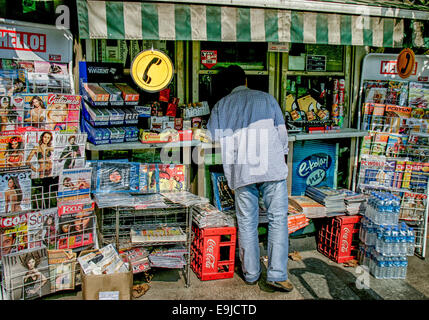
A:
{"points": [[375, 91], [185, 198], [69, 151], [397, 93], [137, 257], [13, 232], [366, 144], [35, 106], [223, 195], [42, 228], [152, 178], [76, 225], [168, 257], [413, 206], [396, 119], [12, 151], [172, 177], [38, 152], [379, 144], [62, 268], [418, 95], [377, 120], [11, 112], [74, 185], [399, 174], [368, 109], [63, 113], [371, 170], [26, 274], [15, 191], [117, 176], [13, 81], [396, 145]]}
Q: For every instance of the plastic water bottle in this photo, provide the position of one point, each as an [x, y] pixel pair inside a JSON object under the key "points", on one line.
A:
{"points": [[403, 240], [387, 237], [403, 269], [397, 208], [411, 240], [379, 240], [395, 242]]}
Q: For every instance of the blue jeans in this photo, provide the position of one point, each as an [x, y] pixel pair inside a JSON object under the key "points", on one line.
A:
{"points": [[275, 196]]}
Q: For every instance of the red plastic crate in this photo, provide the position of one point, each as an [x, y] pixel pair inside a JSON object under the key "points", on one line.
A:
{"points": [[338, 238], [213, 252]]}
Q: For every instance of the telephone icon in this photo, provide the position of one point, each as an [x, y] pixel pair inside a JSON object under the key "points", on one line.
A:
{"points": [[154, 61], [408, 57]]}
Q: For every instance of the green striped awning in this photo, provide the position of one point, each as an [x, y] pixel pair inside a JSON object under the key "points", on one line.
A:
{"points": [[174, 21]]}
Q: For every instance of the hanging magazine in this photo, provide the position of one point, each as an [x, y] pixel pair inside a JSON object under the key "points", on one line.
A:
{"points": [[15, 191], [12, 151], [26, 274]]}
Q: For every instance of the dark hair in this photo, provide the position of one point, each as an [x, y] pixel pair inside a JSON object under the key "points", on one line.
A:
{"points": [[41, 138], [9, 144], [234, 76], [17, 187], [42, 105], [74, 137]]}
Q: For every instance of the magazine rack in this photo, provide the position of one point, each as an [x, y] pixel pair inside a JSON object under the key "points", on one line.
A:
{"points": [[115, 224], [395, 158]]}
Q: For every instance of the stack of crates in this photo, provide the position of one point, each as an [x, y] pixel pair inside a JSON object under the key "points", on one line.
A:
{"points": [[338, 238], [213, 252]]}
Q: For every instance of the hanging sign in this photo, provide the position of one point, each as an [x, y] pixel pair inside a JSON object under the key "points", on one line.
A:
{"points": [[405, 63], [152, 70], [208, 58]]}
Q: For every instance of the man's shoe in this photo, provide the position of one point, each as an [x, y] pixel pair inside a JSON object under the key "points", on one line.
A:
{"points": [[282, 285], [251, 283]]}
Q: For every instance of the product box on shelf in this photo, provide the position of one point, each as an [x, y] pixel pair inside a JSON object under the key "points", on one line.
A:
{"points": [[128, 93], [116, 135], [116, 117], [95, 92], [131, 116], [197, 109], [115, 94], [96, 135], [165, 136], [95, 115], [131, 134], [144, 111]]}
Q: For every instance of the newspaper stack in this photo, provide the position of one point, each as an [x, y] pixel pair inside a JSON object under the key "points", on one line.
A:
{"points": [[332, 199], [307, 206], [185, 198], [151, 235], [168, 257], [109, 200], [355, 202], [149, 201], [207, 216], [138, 257], [102, 261], [296, 222]]}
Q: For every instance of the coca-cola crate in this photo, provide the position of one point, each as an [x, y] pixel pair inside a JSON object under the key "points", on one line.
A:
{"points": [[338, 238], [213, 252]]}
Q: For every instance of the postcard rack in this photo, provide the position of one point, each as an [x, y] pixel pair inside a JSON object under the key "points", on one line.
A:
{"points": [[115, 226]]}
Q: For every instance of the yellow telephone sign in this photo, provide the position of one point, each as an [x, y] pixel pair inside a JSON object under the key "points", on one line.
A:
{"points": [[405, 63], [152, 70]]}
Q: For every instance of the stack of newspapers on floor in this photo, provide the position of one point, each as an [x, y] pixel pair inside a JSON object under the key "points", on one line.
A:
{"points": [[168, 257], [102, 261], [332, 199], [355, 202], [205, 215]]}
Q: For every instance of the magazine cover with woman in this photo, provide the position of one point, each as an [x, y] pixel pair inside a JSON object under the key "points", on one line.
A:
{"points": [[74, 184], [15, 191], [26, 274], [35, 110], [11, 112], [69, 151], [13, 233], [12, 151], [39, 150]]}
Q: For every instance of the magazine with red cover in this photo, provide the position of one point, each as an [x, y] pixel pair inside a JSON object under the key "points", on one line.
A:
{"points": [[76, 225], [172, 177], [63, 112], [12, 150], [13, 233]]}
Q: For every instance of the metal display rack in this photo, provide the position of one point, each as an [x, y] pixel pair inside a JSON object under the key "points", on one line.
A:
{"points": [[115, 225]]}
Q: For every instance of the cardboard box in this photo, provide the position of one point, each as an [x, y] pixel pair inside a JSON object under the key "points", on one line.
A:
{"points": [[96, 92], [116, 286]]}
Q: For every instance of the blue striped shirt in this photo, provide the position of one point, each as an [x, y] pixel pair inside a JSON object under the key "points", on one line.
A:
{"points": [[250, 127]]}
